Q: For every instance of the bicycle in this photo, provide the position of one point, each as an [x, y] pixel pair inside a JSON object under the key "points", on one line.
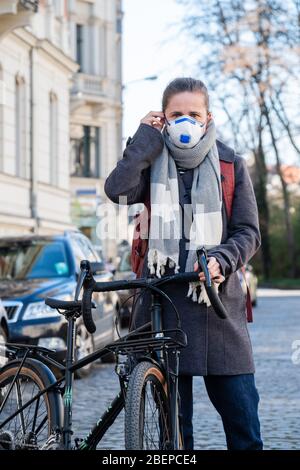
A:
{"points": [[36, 408]]}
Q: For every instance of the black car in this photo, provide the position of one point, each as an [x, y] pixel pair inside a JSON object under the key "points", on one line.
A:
{"points": [[35, 267]]}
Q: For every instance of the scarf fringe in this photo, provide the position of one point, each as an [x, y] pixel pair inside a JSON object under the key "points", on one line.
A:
{"points": [[156, 257], [203, 297]]}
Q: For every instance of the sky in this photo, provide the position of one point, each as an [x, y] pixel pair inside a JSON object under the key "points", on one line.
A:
{"points": [[151, 46]]}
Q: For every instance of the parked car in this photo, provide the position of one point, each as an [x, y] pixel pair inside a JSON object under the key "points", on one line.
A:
{"points": [[3, 324], [35, 267], [124, 272], [251, 279], [3, 331]]}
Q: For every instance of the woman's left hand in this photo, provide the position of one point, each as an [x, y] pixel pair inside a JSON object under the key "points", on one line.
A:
{"points": [[214, 269]]}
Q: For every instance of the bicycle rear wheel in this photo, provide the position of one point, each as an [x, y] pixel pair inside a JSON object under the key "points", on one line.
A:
{"points": [[31, 428], [147, 417]]}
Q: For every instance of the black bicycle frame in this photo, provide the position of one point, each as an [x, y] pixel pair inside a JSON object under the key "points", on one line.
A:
{"points": [[108, 417], [163, 361]]}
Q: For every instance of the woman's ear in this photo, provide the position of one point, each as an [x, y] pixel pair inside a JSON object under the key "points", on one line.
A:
{"points": [[166, 120]]}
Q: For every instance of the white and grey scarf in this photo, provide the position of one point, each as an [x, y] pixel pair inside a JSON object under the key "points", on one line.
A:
{"points": [[206, 206]]}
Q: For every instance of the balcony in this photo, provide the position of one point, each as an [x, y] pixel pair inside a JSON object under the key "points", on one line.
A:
{"points": [[16, 14], [94, 90], [85, 84]]}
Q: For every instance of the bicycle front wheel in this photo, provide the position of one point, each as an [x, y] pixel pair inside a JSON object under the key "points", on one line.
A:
{"points": [[30, 428], [147, 417]]}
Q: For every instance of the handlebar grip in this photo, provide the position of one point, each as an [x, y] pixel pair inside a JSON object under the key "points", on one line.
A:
{"points": [[86, 308], [212, 293], [186, 277], [216, 303]]}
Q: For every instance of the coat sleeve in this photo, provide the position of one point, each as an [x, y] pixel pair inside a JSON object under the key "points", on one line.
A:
{"points": [[130, 177], [244, 237]]}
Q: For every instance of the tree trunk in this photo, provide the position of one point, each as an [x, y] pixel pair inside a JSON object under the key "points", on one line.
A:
{"points": [[292, 253]]}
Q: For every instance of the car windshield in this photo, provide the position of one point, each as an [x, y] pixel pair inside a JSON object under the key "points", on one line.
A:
{"points": [[33, 259]]}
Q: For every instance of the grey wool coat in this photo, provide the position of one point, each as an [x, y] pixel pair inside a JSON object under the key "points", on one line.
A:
{"points": [[215, 346]]}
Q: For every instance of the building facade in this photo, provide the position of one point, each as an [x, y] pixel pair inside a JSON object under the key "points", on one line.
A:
{"points": [[60, 111], [96, 107]]}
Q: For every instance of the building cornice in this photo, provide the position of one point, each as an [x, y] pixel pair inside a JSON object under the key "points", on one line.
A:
{"points": [[48, 49]]}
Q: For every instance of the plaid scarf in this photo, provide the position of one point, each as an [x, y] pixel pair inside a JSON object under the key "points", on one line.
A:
{"points": [[206, 204]]}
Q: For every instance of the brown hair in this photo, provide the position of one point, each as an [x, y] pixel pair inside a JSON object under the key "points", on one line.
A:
{"points": [[181, 84]]}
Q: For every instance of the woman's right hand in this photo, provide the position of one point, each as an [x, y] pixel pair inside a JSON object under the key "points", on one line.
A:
{"points": [[154, 119]]}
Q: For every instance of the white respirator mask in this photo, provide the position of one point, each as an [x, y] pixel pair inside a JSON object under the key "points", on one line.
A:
{"points": [[185, 131]]}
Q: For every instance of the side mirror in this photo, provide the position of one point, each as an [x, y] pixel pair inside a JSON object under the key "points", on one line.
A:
{"points": [[97, 267]]}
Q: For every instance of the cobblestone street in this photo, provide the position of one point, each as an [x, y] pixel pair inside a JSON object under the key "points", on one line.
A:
{"points": [[276, 326]]}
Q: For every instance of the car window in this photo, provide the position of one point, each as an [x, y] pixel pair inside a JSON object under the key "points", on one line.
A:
{"points": [[33, 259], [87, 249], [78, 253], [83, 249], [125, 263]]}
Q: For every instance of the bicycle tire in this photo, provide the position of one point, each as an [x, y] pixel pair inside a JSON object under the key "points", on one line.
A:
{"points": [[41, 377], [135, 439]]}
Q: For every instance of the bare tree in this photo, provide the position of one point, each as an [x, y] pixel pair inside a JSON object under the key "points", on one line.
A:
{"points": [[249, 57]]}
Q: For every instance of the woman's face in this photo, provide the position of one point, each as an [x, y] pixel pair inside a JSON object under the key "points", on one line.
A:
{"points": [[187, 103]]}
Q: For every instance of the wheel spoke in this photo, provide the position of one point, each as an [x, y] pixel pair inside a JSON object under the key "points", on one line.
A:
{"points": [[20, 404], [28, 428]]}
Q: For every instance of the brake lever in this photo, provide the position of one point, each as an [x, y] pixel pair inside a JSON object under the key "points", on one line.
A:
{"points": [[85, 269], [202, 261]]}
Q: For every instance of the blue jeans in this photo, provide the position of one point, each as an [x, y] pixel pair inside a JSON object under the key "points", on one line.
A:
{"points": [[236, 399]]}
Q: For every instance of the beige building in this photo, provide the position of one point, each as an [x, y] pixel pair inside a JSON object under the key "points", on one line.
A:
{"points": [[96, 105], [60, 111]]}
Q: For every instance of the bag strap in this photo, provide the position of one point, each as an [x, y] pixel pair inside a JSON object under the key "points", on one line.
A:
{"points": [[248, 297], [228, 185]]}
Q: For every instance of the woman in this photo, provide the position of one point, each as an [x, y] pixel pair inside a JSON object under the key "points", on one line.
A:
{"points": [[175, 157]]}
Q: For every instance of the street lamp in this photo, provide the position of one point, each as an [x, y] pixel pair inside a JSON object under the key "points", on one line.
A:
{"points": [[150, 78]]}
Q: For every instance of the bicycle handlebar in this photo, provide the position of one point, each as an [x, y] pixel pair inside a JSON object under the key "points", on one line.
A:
{"points": [[90, 286]]}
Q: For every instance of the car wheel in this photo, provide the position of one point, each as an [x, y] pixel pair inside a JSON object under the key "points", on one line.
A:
{"points": [[84, 346]]}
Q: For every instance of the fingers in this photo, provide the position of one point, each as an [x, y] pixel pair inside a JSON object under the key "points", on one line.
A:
{"points": [[213, 267], [154, 119], [218, 279], [214, 271]]}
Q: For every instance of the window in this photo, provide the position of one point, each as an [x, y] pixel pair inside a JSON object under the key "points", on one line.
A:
{"points": [[125, 263], [103, 50], [83, 249], [53, 139], [20, 127], [85, 151], [33, 260], [79, 46]]}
